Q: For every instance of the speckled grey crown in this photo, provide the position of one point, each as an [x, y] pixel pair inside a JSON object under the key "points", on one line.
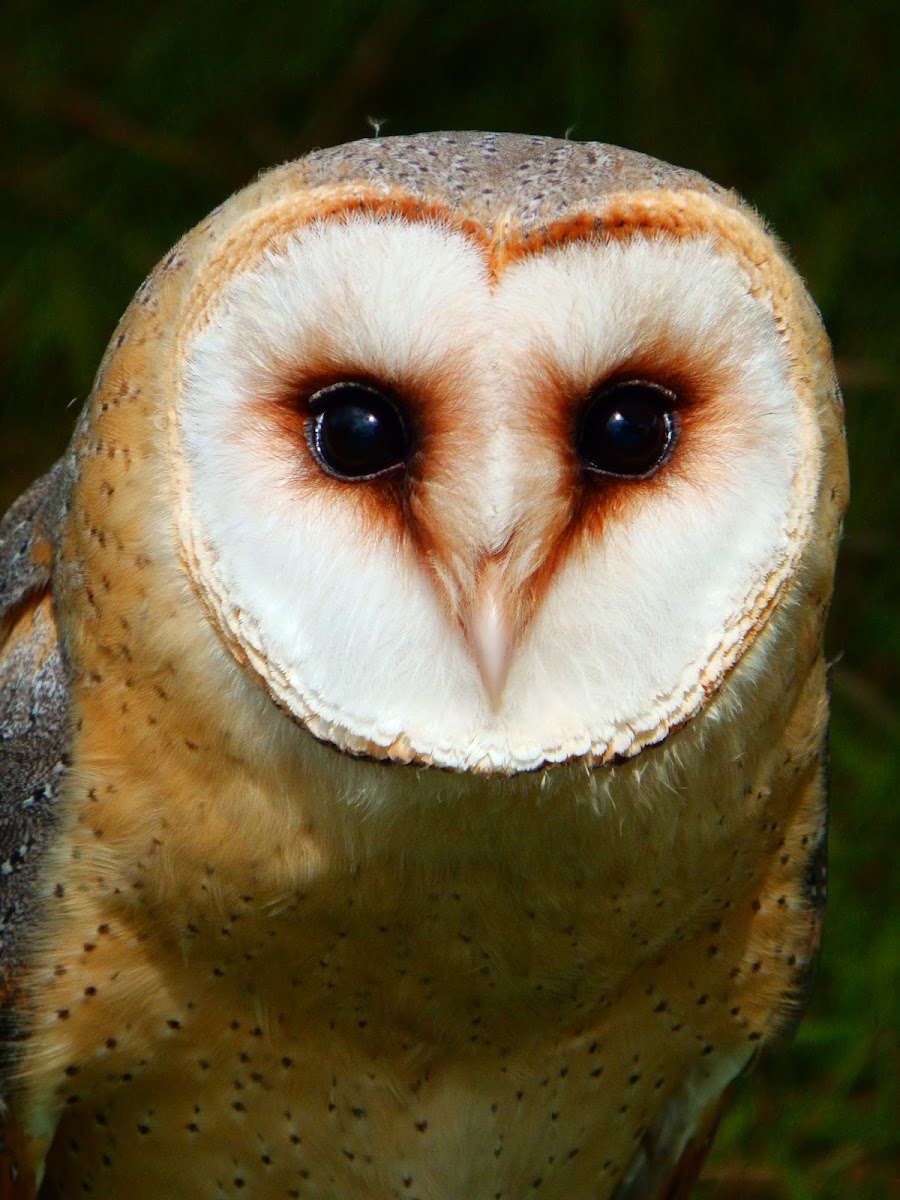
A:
{"points": [[533, 177]]}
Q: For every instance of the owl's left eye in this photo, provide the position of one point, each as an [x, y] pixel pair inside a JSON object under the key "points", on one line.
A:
{"points": [[628, 429], [356, 431]]}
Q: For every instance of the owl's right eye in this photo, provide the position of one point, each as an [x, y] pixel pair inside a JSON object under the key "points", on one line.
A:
{"points": [[356, 432]]}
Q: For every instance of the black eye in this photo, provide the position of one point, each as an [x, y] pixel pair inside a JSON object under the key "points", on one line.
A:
{"points": [[628, 429], [356, 431]]}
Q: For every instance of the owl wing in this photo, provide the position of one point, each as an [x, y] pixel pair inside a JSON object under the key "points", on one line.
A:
{"points": [[33, 738], [668, 1164]]}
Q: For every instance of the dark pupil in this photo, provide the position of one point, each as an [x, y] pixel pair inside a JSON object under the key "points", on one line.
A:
{"points": [[627, 429], [357, 431]]}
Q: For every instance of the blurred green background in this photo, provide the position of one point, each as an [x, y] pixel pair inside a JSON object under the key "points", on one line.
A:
{"points": [[122, 125]]}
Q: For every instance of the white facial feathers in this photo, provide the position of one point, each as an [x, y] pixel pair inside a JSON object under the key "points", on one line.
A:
{"points": [[351, 608]]}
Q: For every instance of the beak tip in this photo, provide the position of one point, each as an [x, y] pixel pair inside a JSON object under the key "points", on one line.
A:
{"points": [[492, 637], [494, 683]]}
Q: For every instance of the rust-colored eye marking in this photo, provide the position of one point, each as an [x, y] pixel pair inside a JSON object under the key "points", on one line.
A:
{"points": [[356, 431], [628, 429]]}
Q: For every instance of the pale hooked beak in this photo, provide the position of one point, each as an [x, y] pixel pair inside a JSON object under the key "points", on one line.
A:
{"points": [[492, 631]]}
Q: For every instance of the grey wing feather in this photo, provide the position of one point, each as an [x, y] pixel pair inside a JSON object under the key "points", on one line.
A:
{"points": [[31, 519], [33, 718]]}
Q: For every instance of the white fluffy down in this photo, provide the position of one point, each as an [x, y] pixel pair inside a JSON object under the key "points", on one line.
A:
{"points": [[349, 630]]}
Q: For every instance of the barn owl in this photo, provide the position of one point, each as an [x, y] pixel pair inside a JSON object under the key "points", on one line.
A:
{"points": [[413, 691]]}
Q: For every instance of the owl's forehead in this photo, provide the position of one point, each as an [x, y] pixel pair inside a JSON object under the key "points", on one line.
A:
{"points": [[514, 194], [494, 178], [506, 197]]}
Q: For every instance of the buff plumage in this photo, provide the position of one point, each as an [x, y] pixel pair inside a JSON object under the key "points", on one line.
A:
{"points": [[459, 830]]}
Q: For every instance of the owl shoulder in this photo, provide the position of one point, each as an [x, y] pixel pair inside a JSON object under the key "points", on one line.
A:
{"points": [[33, 709]]}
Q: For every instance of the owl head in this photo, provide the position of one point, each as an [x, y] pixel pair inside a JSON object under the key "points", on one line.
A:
{"points": [[475, 451]]}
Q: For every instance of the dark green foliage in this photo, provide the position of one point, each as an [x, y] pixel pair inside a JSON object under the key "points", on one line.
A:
{"points": [[122, 125]]}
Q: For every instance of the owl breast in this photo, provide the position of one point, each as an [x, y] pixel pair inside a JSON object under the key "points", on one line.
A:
{"points": [[543, 1002]]}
